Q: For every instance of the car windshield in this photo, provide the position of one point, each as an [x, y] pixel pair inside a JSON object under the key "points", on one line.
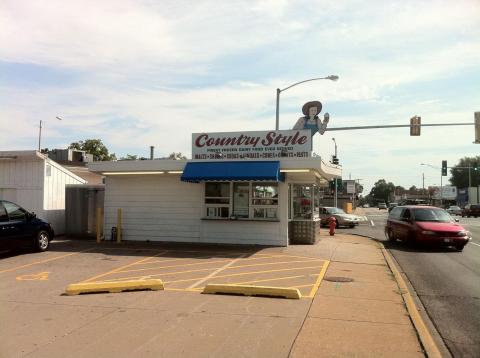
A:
{"points": [[433, 215], [454, 207], [335, 211]]}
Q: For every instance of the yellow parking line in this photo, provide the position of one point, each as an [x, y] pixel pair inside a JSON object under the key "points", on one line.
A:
{"points": [[267, 280], [251, 273], [44, 261], [215, 262], [271, 263], [122, 267], [181, 265], [200, 257], [319, 279]]}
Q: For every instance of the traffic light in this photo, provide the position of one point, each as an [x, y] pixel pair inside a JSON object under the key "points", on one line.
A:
{"points": [[444, 168], [335, 160], [415, 125], [477, 127]]}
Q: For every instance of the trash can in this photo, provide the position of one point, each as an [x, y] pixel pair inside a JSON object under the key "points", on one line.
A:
{"points": [[347, 207], [113, 235]]}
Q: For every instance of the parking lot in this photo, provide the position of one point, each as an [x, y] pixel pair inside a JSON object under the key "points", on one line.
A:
{"points": [[38, 319], [180, 268]]}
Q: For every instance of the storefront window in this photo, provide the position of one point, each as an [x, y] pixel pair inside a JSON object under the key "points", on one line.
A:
{"points": [[241, 200], [265, 200], [241, 195], [217, 200], [303, 201]]}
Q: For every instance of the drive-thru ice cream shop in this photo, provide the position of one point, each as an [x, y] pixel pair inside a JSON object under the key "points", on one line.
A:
{"points": [[261, 187]]}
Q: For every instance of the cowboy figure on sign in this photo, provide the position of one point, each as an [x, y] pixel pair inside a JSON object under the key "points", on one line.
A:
{"points": [[311, 110]]}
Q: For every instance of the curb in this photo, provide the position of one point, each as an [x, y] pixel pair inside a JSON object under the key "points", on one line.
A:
{"points": [[113, 287], [423, 332], [248, 290]]}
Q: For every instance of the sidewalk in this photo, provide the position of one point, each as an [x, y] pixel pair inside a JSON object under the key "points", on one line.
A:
{"points": [[365, 317]]}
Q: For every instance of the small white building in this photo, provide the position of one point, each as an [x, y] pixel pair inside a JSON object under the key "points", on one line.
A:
{"points": [[262, 192], [37, 183]]}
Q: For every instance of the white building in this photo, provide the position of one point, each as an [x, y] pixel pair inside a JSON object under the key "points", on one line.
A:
{"points": [[36, 183], [225, 196]]}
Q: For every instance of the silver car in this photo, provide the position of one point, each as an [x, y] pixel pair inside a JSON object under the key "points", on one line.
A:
{"points": [[454, 210], [343, 219]]}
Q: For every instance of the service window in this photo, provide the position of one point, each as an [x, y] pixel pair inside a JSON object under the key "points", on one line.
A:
{"points": [[241, 198], [217, 200], [264, 200]]}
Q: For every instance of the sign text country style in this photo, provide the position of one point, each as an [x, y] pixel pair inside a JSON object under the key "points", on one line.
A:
{"points": [[271, 138]]}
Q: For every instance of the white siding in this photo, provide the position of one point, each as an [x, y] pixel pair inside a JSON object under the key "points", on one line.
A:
{"points": [[25, 179], [56, 178], [162, 208]]}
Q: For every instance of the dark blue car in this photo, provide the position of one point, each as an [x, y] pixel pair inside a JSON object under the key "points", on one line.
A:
{"points": [[22, 229]]}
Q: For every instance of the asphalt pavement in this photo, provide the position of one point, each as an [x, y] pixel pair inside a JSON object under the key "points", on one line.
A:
{"points": [[447, 282], [351, 306]]}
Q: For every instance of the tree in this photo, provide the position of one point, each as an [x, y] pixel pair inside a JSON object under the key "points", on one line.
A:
{"points": [[460, 172], [381, 191], [94, 147], [130, 157], [176, 156]]}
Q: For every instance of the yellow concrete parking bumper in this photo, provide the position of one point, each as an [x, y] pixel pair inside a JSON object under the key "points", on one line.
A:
{"points": [[119, 286], [248, 290]]}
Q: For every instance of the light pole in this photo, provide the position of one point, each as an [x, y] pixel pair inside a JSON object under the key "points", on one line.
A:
{"points": [[40, 133], [441, 181], [335, 200], [331, 78]]}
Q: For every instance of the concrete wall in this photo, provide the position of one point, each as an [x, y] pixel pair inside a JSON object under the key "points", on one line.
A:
{"points": [[162, 208]]}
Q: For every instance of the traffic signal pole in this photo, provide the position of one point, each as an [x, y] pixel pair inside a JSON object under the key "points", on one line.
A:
{"points": [[398, 126]]}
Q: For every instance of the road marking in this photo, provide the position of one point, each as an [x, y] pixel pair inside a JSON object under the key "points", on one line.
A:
{"points": [[371, 222], [224, 267], [41, 276], [44, 261], [319, 279], [191, 264], [473, 243], [122, 267]]}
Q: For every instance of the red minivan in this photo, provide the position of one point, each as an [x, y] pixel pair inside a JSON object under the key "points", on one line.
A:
{"points": [[425, 224]]}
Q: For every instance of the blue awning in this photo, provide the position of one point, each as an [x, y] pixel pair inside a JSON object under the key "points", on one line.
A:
{"points": [[232, 171]]}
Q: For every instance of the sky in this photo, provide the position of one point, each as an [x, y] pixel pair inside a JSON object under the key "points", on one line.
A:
{"points": [[142, 73]]}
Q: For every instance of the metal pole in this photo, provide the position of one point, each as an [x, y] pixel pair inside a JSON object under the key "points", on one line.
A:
{"points": [[39, 135], [335, 195], [469, 177], [277, 109], [441, 189]]}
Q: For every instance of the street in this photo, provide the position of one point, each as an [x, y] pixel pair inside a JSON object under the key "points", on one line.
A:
{"points": [[446, 281]]}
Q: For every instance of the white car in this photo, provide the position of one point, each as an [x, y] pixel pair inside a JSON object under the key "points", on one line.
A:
{"points": [[343, 219]]}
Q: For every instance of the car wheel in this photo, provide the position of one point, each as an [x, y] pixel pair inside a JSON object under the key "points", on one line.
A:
{"points": [[352, 226], [391, 236], [460, 247], [337, 225], [42, 240]]}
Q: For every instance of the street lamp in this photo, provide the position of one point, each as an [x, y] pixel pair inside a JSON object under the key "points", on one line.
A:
{"points": [[331, 78], [40, 133]]}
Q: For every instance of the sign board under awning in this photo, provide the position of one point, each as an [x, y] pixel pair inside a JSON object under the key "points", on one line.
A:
{"points": [[252, 145]]}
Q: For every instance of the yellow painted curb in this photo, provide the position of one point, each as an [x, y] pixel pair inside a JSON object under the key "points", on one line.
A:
{"points": [[423, 332], [248, 290], [113, 287]]}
